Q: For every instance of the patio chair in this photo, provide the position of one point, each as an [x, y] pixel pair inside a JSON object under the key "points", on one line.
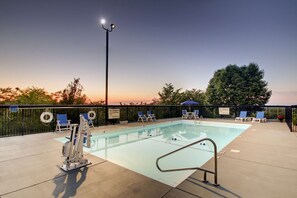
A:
{"points": [[242, 116], [62, 123], [195, 114], [259, 117], [185, 114], [141, 117], [151, 116], [86, 116]]}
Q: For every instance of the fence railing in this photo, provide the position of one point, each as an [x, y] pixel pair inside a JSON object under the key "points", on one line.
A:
{"points": [[27, 119]]}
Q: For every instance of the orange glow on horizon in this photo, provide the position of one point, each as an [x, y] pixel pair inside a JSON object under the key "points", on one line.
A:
{"points": [[120, 99]]}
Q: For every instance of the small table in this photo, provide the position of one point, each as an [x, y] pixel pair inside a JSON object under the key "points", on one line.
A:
{"points": [[190, 115]]}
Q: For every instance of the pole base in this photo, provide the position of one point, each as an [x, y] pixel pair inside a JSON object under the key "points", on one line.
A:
{"points": [[74, 166]]}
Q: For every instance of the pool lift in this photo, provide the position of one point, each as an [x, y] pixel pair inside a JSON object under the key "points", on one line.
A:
{"points": [[73, 149]]}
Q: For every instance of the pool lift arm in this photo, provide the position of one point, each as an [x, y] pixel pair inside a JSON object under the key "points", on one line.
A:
{"points": [[73, 149]]}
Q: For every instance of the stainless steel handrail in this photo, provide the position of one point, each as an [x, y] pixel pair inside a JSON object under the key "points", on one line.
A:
{"points": [[215, 172]]}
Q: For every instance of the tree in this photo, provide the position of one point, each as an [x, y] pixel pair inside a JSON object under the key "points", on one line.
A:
{"points": [[34, 95], [193, 94], [235, 85], [30, 95], [8, 95], [169, 96], [99, 102], [73, 93]]}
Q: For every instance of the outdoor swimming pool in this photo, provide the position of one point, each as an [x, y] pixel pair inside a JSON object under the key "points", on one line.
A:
{"points": [[138, 148]]}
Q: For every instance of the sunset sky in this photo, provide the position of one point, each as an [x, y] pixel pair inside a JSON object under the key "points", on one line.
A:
{"points": [[48, 43]]}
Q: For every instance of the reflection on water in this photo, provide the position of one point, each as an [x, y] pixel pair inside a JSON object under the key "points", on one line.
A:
{"points": [[178, 133]]}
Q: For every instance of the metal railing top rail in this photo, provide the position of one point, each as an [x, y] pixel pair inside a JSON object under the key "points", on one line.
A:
{"points": [[51, 106], [215, 172], [137, 105]]}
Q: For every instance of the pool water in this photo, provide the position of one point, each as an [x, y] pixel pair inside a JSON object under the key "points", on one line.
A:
{"points": [[138, 148]]}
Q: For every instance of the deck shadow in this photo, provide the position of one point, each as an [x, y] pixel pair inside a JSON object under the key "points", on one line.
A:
{"points": [[210, 187], [69, 183]]}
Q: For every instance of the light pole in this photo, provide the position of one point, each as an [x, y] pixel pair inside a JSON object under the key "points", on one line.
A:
{"points": [[112, 26]]}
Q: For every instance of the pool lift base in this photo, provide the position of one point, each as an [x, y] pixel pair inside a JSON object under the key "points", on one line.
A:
{"points": [[74, 166], [73, 149]]}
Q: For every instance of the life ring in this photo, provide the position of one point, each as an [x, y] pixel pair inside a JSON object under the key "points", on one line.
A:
{"points": [[46, 117], [92, 115]]}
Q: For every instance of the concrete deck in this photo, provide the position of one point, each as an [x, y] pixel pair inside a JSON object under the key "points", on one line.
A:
{"points": [[266, 166]]}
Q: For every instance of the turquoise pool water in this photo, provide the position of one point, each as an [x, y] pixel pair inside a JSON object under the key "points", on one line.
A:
{"points": [[138, 148]]}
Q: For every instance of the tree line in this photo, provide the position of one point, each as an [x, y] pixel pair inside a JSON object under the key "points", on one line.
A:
{"points": [[72, 94], [232, 85]]}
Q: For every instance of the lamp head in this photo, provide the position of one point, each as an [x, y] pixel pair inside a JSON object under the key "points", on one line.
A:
{"points": [[102, 21], [112, 26]]}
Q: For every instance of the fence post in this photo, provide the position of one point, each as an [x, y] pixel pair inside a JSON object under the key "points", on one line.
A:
{"points": [[288, 117]]}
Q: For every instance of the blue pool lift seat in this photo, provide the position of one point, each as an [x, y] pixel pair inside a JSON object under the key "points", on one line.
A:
{"points": [[62, 123], [151, 116], [141, 117], [13, 108], [242, 116], [86, 116], [260, 117]]}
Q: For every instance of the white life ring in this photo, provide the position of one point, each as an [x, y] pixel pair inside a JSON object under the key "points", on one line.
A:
{"points": [[92, 115], [46, 117]]}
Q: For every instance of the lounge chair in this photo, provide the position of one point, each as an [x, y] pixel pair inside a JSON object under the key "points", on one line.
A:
{"points": [[151, 116], [195, 114], [185, 114], [242, 116], [141, 117], [259, 117], [62, 123], [86, 116]]}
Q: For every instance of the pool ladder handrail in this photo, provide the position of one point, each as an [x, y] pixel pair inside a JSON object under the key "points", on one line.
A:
{"points": [[215, 172]]}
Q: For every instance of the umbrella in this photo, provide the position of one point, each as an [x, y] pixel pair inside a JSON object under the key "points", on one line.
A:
{"points": [[189, 103]]}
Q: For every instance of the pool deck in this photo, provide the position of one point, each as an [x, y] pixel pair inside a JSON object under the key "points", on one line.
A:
{"points": [[261, 162]]}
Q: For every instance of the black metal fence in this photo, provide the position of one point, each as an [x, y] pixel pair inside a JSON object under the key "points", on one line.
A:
{"points": [[294, 118], [26, 120]]}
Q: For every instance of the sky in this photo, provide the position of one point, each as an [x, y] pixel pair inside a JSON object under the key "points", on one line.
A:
{"points": [[48, 43]]}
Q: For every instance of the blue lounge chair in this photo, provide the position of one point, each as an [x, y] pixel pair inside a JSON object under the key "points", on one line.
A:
{"points": [[260, 117], [195, 114], [86, 116], [151, 116], [242, 116], [185, 114], [62, 123], [141, 117]]}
